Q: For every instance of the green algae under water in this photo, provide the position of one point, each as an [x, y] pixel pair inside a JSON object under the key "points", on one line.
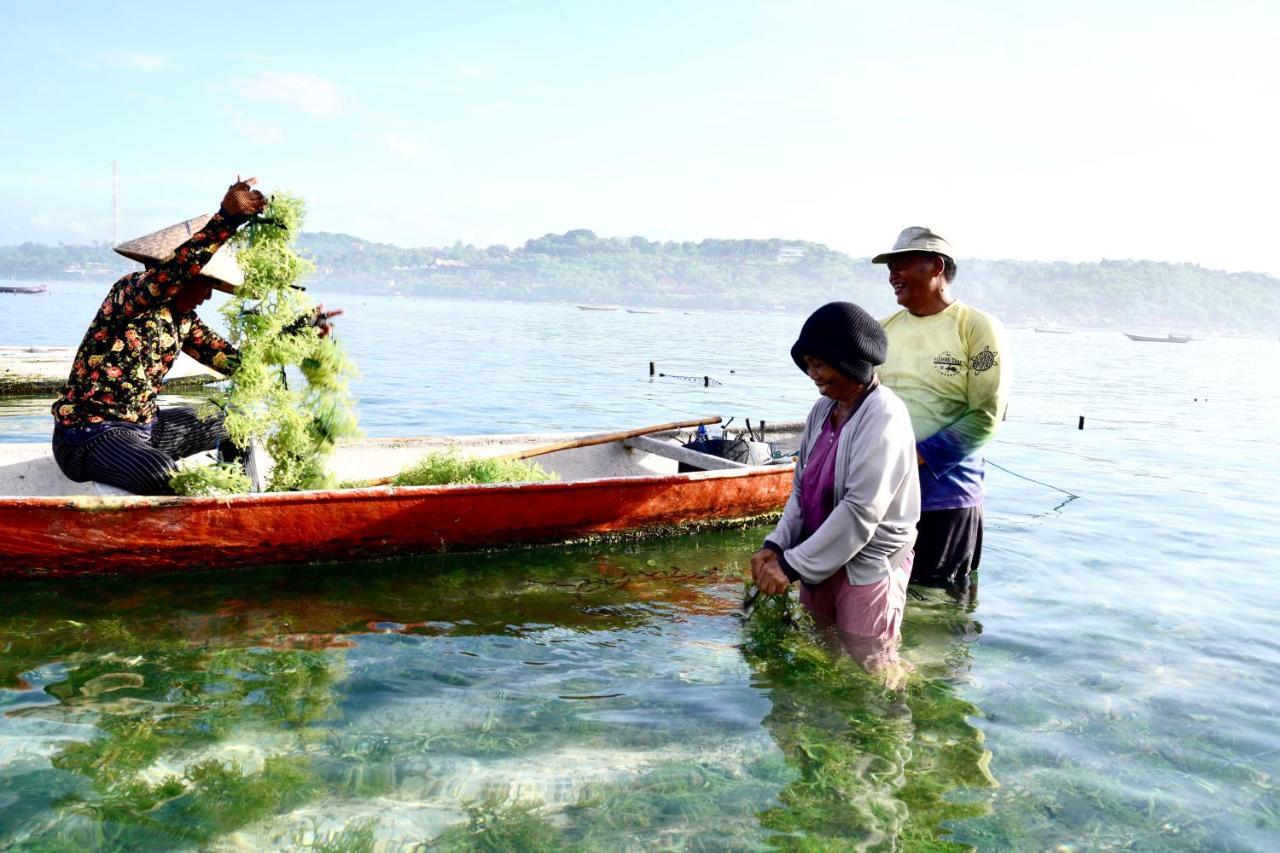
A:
{"points": [[605, 696], [592, 697]]}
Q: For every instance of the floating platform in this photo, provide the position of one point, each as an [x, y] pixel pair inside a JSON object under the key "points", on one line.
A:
{"points": [[42, 371]]}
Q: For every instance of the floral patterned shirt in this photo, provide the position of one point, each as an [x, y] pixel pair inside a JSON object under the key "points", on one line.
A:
{"points": [[136, 336]]}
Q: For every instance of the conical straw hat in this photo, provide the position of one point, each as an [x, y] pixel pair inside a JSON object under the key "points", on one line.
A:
{"points": [[158, 247]]}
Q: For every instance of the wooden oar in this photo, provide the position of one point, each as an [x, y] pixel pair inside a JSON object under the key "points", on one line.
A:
{"points": [[606, 437], [585, 441]]}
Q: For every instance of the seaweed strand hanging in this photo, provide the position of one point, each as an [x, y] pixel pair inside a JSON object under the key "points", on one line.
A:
{"points": [[269, 321]]}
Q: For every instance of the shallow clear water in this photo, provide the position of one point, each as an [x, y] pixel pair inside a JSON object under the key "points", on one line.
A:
{"points": [[1118, 661]]}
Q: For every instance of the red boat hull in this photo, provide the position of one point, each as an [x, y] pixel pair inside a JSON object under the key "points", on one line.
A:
{"points": [[57, 537]]}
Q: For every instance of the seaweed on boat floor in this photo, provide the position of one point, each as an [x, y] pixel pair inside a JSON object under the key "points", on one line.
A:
{"points": [[450, 467]]}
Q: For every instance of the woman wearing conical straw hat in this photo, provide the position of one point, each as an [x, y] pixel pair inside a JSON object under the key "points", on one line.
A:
{"points": [[107, 425]]}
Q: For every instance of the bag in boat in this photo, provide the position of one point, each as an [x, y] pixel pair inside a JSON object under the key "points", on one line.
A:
{"points": [[733, 449]]}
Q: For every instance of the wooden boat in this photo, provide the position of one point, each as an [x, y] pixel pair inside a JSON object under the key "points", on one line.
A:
{"points": [[1167, 339], [1044, 330], [643, 311], [51, 527], [598, 307], [11, 288]]}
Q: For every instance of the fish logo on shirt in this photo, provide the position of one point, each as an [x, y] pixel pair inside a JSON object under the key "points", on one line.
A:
{"points": [[948, 364]]}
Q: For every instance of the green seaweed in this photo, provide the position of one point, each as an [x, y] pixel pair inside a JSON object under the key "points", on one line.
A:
{"points": [[172, 670], [299, 426], [176, 700], [492, 827], [450, 467], [222, 478], [355, 837], [221, 797], [879, 758]]}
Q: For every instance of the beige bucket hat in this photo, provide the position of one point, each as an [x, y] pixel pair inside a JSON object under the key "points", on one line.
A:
{"points": [[916, 238], [158, 247]]}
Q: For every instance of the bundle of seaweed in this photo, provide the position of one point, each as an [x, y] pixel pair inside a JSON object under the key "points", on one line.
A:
{"points": [[299, 426], [223, 478], [450, 467]]}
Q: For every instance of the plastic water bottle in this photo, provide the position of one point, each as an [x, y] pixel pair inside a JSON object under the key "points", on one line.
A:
{"points": [[702, 432]]}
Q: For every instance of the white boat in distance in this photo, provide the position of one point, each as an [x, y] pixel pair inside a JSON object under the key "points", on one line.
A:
{"points": [[1167, 339]]}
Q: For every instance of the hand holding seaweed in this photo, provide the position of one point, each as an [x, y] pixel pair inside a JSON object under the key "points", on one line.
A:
{"points": [[767, 573], [300, 425], [242, 200]]}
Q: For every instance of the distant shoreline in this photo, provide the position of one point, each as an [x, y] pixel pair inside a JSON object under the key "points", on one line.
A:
{"points": [[744, 275]]}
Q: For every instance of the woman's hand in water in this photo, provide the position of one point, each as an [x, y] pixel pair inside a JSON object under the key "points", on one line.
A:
{"points": [[769, 577]]}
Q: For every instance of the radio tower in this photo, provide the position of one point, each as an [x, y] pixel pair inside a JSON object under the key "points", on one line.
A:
{"points": [[115, 205]]}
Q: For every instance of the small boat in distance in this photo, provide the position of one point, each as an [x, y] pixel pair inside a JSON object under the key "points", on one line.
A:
{"points": [[643, 311], [1167, 339], [598, 307], [9, 288], [1045, 330]]}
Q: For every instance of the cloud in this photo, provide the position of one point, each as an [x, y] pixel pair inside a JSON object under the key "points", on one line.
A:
{"points": [[266, 134], [490, 108], [406, 146], [131, 60], [314, 95]]}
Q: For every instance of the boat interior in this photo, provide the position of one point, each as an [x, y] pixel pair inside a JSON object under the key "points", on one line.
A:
{"points": [[28, 469]]}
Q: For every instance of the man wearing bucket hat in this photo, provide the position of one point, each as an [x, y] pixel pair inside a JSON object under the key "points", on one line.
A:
{"points": [[107, 425], [949, 363]]}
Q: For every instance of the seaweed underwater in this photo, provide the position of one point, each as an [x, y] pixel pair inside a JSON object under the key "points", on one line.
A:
{"points": [[153, 774], [881, 760], [237, 719]]}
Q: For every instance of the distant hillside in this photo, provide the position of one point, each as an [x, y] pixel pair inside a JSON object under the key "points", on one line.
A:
{"points": [[794, 275]]}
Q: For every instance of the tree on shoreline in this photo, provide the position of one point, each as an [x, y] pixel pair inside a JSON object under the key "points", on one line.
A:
{"points": [[775, 274]]}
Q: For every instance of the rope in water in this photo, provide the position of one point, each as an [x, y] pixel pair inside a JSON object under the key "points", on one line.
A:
{"points": [[705, 380], [1071, 495]]}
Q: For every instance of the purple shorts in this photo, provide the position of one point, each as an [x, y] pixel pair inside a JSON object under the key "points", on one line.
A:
{"points": [[867, 617]]}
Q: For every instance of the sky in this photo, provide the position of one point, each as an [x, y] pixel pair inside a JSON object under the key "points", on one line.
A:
{"points": [[1066, 131]]}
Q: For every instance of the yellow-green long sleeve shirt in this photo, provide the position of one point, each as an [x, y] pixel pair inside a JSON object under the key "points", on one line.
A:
{"points": [[952, 371]]}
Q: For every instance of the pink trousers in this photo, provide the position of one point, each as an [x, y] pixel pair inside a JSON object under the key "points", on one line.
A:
{"points": [[868, 617]]}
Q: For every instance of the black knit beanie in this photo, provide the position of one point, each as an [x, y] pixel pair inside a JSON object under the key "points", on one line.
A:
{"points": [[845, 337]]}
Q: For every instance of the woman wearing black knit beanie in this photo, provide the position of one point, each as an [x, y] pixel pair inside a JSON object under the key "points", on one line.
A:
{"points": [[848, 528]]}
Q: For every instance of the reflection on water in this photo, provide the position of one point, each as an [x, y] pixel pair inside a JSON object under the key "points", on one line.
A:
{"points": [[877, 757], [595, 697]]}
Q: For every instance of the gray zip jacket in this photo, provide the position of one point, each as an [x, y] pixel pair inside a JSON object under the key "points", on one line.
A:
{"points": [[877, 491]]}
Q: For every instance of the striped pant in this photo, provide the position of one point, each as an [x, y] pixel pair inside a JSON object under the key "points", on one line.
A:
{"points": [[136, 458]]}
